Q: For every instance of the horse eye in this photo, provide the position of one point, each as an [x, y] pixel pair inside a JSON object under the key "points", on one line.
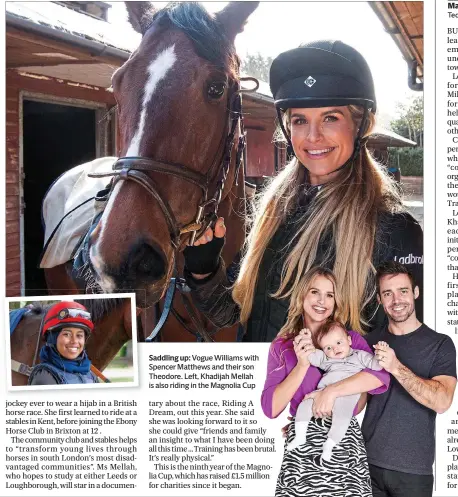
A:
{"points": [[216, 89]]}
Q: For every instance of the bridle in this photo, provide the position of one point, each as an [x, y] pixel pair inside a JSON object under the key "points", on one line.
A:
{"points": [[136, 169]]}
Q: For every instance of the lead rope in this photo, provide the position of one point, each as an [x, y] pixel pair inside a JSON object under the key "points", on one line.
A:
{"points": [[40, 329], [99, 374], [166, 311], [168, 306]]}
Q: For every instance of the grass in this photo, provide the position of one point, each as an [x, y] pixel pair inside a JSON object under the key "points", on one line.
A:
{"points": [[127, 379]]}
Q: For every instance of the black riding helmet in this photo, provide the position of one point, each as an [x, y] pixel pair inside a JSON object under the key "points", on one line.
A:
{"points": [[323, 74]]}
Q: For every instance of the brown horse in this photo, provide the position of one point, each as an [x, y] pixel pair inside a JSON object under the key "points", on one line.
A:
{"points": [[178, 103], [112, 329]]}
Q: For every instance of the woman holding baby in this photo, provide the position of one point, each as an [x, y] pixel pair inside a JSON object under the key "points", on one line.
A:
{"points": [[323, 456], [332, 206]]}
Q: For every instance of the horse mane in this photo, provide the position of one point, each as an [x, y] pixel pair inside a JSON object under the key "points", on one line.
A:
{"points": [[204, 31], [100, 308], [38, 308]]}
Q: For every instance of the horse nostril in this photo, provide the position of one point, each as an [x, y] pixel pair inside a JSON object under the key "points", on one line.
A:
{"points": [[148, 262]]}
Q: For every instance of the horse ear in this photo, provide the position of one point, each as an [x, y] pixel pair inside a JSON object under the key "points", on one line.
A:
{"points": [[140, 14], [234, 16]]}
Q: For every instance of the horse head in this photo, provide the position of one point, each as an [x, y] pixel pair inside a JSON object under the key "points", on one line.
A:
{"points": [[175, 99]]}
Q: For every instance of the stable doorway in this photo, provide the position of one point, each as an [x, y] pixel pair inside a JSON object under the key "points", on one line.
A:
{"points": [[55, 138]]}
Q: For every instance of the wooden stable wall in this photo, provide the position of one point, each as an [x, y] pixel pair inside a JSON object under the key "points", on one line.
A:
{"points": [[260, 153], [259, 117], [15, 83]]}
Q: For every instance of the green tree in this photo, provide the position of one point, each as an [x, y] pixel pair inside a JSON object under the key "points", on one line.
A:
{"points": [[257, 65], [409, 124], [410, 121]]}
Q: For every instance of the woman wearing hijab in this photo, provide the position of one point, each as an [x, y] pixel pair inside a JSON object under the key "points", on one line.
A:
{"points": [[63, 359]]}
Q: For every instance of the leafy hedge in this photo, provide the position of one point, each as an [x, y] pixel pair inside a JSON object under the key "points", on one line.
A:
{"points": [[410, 160]]}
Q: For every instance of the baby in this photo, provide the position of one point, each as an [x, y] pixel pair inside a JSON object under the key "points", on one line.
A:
{"points": [[338, 361]]}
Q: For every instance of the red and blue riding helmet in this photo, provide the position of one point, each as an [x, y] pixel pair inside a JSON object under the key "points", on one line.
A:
{"points": [[65, 314]]}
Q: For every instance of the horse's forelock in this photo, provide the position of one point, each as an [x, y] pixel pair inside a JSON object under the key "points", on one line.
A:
{"points": [[39, 308], [100, 308], [204, 31]]}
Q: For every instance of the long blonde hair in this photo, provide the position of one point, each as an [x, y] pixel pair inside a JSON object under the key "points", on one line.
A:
{"points": [[348, 206], [294, 322]]}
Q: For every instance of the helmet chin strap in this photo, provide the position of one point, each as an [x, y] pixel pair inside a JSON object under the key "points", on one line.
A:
{"points": [[285, 133], [360, 142]]}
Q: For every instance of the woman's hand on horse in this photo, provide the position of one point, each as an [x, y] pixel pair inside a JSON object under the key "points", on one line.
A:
{"points": [[203, 258], [220, 231], [323, 402]]}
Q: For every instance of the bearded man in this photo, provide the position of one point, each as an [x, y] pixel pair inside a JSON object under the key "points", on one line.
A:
{"points": [[399, 426]]}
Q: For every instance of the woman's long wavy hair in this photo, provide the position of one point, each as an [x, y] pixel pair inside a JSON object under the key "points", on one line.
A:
{"points": [[295, 321], [348, 206]]}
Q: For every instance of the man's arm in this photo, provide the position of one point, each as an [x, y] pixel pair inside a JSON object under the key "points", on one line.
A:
{"points": [[435, 393]]}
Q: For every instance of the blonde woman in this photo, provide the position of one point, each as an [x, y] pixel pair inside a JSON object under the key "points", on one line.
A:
{"points": [[332, 205], [291, 378]]}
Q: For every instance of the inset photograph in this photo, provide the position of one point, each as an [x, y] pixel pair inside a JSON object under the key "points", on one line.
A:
{"points": [[76, 341]]}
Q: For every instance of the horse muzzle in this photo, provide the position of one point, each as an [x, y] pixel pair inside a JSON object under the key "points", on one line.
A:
{"points": [[144, 271]]}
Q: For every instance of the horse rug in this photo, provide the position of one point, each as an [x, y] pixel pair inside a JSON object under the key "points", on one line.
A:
{"points": [[16, 316], [68, 209]]}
